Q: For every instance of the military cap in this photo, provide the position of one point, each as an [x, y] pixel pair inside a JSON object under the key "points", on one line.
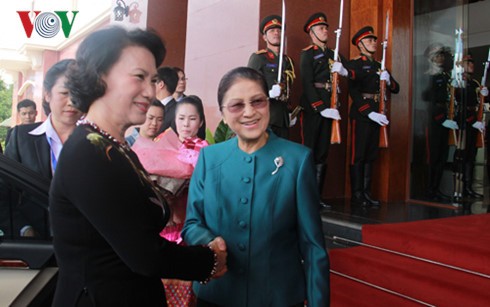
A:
{"points": [[367, 31], [315, 19], [270, 22], [433, 50]]}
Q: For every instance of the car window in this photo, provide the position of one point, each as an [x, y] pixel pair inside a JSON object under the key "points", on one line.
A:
{"points": [[24, 220]]}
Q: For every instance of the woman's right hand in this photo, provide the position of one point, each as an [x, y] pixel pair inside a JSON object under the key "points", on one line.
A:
{"points": [[218, 245]]}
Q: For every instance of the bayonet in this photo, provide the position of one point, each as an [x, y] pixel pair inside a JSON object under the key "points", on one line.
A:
{"points": [[281, 48]]}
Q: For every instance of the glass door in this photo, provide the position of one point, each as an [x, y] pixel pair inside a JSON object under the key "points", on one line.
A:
{"points": [[451, 41]]}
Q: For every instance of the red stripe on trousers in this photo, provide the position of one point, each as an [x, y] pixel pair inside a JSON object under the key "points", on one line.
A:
{"points": [[353, 142]]}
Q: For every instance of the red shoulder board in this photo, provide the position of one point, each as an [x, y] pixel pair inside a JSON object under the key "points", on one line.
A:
{"points": [[308, 48]]}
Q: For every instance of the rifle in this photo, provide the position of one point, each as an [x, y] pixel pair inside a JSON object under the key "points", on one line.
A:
{"points": [[335, 137], [458, 166], [296, 111], [453, 139], [383, 130], [479, 116], [281, 48], [456, 82]]}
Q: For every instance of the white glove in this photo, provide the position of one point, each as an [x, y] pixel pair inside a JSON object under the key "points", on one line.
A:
{"points": [[486, 107], [339, 68], [379, 118], [385, 75], [450, 124], [484, 91], [479, 125], [292, 121], [275, 91], [330, 113], [455, 83]]}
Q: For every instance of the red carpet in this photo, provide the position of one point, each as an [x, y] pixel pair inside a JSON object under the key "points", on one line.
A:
{"points": [[462, 241]]}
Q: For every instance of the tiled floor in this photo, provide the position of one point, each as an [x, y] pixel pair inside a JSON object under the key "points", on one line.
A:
{"points": [[402, 212], [345, 220]]}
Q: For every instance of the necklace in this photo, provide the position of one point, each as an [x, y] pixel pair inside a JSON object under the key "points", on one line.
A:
{"points": [[85, 121]]}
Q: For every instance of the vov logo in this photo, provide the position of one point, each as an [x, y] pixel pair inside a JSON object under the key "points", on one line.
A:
{"points": [[47, 24]]}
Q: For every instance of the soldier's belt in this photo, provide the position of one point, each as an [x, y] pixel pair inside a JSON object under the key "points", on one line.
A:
{"points": [[375, 97], [324, 85]]}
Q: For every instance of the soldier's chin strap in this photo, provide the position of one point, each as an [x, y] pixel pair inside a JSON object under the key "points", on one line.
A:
{"points": [[321, 41], [365, 48], [275, 45]]}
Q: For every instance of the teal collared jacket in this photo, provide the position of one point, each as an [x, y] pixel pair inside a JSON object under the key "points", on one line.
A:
{"points": [[269, 217]]}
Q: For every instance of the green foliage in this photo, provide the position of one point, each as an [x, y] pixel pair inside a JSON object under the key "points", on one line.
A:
{"points": [[223, 132], [209, 137], [5, 107]]}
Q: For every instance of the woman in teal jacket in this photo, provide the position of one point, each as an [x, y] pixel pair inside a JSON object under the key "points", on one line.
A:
{"points": [[258, 192]]}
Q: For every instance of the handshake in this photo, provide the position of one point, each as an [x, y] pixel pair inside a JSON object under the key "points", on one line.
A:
{"points": [[218, 246]]}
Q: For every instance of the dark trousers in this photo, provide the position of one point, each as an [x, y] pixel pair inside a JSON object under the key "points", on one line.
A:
{"points": [[470, 147], [279, 118], [316, 131], [437, 153], [365, 142]]}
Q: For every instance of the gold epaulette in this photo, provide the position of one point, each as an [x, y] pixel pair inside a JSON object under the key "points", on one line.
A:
{"points": [[261, 51], [308, 48]]}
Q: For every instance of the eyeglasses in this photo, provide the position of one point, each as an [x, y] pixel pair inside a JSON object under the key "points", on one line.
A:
{"points": [[238, 107], [183, 79]]}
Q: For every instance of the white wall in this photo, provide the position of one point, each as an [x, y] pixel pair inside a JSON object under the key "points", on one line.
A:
{"points": [[221, 35]]}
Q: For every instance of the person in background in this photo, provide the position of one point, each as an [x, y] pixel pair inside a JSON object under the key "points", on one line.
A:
{"points": [[437, 96], [258, 191], [27, 112], [181, 85], [179, 94], [470, 99], [152, 125], [364, 89], [317, 63], [266, 61], [165, 88], [106, 213], [170, 160], [38, 145]]}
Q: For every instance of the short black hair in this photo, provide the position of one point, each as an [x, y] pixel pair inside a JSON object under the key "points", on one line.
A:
{"points": [[196, 102], [26, 103], [54, 73], [170, 77], [178, 69], [229, 79], [96, 55], [157, 103]]}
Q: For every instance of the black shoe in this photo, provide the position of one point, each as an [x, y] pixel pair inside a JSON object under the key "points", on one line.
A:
{"points": [[471, 193], [371, 201], [359, 199], [443, 197], [324, 205], [438, 197]]}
